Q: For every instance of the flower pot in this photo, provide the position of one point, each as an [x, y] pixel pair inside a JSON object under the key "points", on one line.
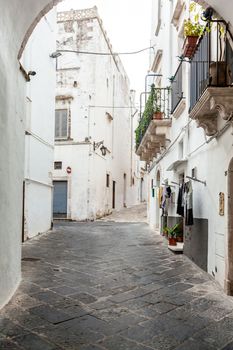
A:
{"points": [[172, 241], [190, 45], [158, 115], [180, 239]]}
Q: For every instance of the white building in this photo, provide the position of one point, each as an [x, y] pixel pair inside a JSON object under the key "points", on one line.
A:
{"points": [[196, 139], [14, 35], [94, 169], [39, 128]]}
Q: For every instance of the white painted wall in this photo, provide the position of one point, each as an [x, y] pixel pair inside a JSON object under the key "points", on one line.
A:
{"points": [[102, 88], [39, 145], [12, 127], [211, 160]]}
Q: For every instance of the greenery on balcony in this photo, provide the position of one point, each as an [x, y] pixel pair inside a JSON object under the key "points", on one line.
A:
{"points": [[151, 107]]}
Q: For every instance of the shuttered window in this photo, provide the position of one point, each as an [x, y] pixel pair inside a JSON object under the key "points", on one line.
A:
{"points": [[61, 124]]}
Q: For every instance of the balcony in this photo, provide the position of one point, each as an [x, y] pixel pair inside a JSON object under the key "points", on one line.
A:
{"points": [[177, 95], [152, 131], [211, 80]]}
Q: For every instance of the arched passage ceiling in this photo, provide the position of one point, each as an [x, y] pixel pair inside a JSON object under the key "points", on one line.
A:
{"points": [[19, 18]]}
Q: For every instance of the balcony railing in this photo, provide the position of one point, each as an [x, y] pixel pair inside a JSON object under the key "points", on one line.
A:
{"points": [[176, 88], [157, 108], [212, 63]]}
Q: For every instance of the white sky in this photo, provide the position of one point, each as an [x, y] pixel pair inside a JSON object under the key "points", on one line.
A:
{"points": [[128, 25]]}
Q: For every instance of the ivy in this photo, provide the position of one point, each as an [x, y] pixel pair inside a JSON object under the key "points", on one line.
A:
{"points": [[152, 106]]}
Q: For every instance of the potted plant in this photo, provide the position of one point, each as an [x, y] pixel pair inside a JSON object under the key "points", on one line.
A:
{"points": [[171, 232], [179, 232], [158, 114], [192, 32]]}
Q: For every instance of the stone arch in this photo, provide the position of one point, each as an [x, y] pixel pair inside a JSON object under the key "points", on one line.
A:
{"points": [[229, 239], [28, 33]]}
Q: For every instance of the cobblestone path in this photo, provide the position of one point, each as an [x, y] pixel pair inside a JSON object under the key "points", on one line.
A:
{"points": [[114, 286]]}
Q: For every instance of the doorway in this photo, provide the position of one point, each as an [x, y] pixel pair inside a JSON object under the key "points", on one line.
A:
{"points": [[113, 194], [60, 199]]}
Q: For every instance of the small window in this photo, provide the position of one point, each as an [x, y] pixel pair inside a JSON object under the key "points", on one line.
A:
{"points": [[107, 180], [61, 124], [57, 165]]}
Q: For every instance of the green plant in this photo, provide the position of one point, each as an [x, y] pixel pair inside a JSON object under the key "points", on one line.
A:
{"points": [[152, 106], [192, 28], [174, 231]]}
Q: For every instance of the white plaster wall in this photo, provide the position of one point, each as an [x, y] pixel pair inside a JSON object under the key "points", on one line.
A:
{"points": [[39, 145], [102, 89], [211, 161], [12, 117]]}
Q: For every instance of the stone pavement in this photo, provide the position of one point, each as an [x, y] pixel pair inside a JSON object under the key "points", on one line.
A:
{"points": [[114, 286], [136, 213]]}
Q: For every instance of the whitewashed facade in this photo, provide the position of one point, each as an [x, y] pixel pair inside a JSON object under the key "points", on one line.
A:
{"points": [[94, 112], [39, 128], [199, 143]]}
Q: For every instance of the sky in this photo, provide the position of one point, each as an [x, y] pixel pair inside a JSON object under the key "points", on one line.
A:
{"points": [[128, 26]]}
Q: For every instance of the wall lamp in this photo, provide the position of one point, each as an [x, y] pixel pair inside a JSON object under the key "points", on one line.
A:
{"points": [[103, 149], [55, 54], [25, 73]]}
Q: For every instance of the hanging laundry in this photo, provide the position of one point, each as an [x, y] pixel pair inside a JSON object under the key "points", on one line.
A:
{"points": [[166, 199], [180, 201], [188, 198]]}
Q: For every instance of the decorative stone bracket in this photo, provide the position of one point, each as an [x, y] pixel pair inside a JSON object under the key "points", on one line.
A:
{"points": [[154, 138], [215, 102]]}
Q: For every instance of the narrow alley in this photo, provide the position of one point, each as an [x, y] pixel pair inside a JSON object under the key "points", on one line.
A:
{"points": [[113, 285]]}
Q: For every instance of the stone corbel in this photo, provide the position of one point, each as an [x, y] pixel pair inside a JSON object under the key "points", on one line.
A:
{"points": [[223, 111], [209, 124]]}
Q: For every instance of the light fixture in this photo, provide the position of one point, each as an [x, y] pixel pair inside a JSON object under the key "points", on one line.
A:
{"points": [[103, 149], [208, 14], [55, 54], [32, 73]]}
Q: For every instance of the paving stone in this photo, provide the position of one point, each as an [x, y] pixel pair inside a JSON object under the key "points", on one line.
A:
{"points": [[10, 329], [119, 343], [50, 314], [125, 290], [195, 345], [49, 297], [90, 347], [33, 341], [228, 346], [6, 344], [84, 298], [64, 290]]}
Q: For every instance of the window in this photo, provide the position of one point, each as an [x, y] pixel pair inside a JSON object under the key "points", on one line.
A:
{"points": [[107, 180], [61, 124], [57, 165]]}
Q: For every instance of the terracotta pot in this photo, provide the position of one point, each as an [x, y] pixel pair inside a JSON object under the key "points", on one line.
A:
{"points": [[172, 241], [190, 45], [158, 115]]}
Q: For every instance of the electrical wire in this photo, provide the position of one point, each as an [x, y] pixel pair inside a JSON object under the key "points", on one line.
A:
{"points": [[107, 53]]}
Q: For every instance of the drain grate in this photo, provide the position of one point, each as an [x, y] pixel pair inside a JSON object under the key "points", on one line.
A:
{"points": [[30, 259]]}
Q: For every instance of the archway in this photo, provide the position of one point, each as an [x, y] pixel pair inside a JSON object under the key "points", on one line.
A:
{"points": [[229, 239], [14, 34]]}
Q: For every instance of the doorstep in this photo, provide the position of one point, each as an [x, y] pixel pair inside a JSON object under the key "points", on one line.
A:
{"points": [[179, 247]]}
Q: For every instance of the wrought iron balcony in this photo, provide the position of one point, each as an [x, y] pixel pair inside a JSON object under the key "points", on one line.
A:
{"points": [[211, 79], [176, 88], [152, 129]]}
